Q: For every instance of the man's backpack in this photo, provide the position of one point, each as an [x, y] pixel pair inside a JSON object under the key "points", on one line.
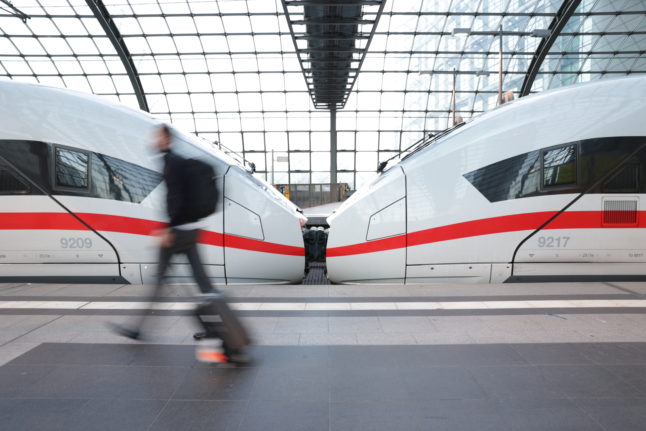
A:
{"points": [[201, 189]]}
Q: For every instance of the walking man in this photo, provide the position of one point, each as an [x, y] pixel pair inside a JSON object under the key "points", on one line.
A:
{"points": [[181, 236]]}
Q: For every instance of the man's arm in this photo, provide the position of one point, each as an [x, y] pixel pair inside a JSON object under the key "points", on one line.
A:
{"points": [[177, 184]]}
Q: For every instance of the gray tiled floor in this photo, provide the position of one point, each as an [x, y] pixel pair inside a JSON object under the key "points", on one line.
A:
{"points": [[444, 387], [348, 291], [577, 370]]}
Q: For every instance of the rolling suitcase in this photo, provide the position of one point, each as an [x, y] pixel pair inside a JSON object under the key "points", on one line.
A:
{"points": [[220, 321]]}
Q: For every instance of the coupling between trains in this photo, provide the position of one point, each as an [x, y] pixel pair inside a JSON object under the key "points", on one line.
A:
{"points": [[315, 240]]}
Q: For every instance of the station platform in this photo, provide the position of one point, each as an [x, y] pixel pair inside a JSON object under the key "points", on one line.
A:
{"points": [[318, 215], [557, 356]]}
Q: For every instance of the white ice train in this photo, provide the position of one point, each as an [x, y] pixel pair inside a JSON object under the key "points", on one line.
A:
{"points": [[81, 194], [549, 187]]}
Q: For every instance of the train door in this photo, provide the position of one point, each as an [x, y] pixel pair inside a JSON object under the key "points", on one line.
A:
{"points": [[600, 233], [40, 239]]}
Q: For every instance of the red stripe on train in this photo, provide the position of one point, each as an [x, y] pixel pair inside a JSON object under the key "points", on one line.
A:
{"points": [[488, 226], [136, 226], [47, 221]]}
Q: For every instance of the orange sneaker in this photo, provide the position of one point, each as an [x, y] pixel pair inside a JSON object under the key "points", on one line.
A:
{"points": [[211, 356]]}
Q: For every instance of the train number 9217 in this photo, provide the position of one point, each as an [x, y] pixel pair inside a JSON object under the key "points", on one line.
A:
{"points": [[553, 241], [76, 242]]}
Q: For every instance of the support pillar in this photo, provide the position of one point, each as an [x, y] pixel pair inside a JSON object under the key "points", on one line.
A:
{"points": [[333, 179], [500, 68]]}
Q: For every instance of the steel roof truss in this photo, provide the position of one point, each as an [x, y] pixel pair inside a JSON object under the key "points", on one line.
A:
{"points": [[332, 33], [563, 15], [103, 16]]}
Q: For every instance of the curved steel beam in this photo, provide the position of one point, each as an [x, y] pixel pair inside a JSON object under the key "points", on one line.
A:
{"points": [[14, 10], [563, 15], [101, 13]]}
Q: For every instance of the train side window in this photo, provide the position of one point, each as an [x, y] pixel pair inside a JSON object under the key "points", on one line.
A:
{"points": [[10, 184], [625, 181], [513, 178], [71, 168], [120, 180], [560, 166]]}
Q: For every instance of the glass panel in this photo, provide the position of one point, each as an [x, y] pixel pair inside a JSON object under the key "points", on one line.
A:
{"points": [[367, 161], [299, 161], [345, 161], [71, 168], [254, 142], [120, 180], [246, 52], [512, 178], [321, 161], [559, 166], [367, 141], [9, 184], [299, 141], [626, 181], [345, 141], [258, 159], [321, 177], [320, 141], [276, 141], [300, 178]]}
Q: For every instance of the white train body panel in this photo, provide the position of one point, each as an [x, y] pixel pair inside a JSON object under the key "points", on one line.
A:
{"points": [[381, 196], [456, 233], [257, 200], [55, 232], [22, 247]]}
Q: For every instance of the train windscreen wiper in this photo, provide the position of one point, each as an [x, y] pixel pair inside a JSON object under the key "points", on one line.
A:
{"points": [[419, 145]]}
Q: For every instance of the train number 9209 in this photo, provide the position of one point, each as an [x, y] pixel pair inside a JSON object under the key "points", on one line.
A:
{"points": [[76, 242], [553, 241]]}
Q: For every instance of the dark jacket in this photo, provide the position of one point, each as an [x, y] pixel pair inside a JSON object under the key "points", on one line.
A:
{"points": [[176, 179]]}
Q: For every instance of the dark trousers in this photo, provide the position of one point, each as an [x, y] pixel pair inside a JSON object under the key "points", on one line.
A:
{"points": [[184, 242]]}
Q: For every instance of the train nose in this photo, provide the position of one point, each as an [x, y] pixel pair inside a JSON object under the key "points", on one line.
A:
{"points": [[367, 239], [263, 238]]}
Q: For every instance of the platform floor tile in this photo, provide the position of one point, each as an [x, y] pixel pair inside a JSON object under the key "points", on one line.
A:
{"points": [[579, 386]]}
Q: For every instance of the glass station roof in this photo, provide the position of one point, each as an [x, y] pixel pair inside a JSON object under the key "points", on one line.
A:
{"points": [[228, 70]]}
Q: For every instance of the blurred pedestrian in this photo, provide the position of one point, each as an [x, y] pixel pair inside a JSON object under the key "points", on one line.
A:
{"points": [[191, 196]]}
